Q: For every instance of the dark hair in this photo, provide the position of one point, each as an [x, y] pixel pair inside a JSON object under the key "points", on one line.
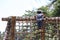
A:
{"points": [[38, 12]]}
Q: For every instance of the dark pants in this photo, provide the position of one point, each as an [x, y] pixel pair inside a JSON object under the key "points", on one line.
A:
{"points": [[39, 24]]}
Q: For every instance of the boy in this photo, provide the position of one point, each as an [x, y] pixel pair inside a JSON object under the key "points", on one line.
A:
{"points": [[39, 18]]}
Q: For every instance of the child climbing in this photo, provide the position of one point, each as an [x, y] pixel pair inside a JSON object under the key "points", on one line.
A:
{"points": [[39, 18]]}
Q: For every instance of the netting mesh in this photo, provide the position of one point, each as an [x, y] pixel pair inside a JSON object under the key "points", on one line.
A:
{"points": [[26, 30], [52, 32]]}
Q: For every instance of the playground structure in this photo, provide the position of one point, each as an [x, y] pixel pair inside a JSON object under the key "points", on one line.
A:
{"points": [[28, 25]]}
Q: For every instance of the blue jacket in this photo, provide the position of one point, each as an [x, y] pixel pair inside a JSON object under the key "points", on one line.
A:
{"points": [[39, 17]]}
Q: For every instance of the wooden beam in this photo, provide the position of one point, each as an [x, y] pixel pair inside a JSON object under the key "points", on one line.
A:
{"points": [[49, 20], [19, 19]]}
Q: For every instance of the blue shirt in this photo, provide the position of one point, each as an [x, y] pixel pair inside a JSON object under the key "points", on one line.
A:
{"points": [[39, 17]]}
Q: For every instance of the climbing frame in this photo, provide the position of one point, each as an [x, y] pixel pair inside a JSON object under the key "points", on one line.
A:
{"points": [[23, 26]]}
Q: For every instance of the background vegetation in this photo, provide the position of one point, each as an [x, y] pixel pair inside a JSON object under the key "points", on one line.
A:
{"points": [[50, 10]]}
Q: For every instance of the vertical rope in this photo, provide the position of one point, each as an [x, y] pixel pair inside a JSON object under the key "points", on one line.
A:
{"points": [[57, 28], [7, 31], [18, 30], [22, 25], [31, 28], [27, 24]]}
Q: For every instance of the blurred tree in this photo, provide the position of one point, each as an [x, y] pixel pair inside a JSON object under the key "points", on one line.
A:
{"points": [[56, 6], [30, 13], [45, 10]]}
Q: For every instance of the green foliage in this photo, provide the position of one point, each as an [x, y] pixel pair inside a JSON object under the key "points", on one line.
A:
{"points": [[57, 8], [30, 13], [45, 10]]}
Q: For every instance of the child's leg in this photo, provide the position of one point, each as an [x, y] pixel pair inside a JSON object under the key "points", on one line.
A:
{"points": [[39, 23]]}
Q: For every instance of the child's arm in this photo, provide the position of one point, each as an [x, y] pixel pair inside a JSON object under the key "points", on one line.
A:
{"points": [[44, 15]]}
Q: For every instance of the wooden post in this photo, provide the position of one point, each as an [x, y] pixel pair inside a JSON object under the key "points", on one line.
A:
{"points": [[43, 31], [12, 37]]}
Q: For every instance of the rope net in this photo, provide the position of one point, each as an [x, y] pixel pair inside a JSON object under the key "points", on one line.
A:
{"points": [[28, 30], [25, 30]]}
